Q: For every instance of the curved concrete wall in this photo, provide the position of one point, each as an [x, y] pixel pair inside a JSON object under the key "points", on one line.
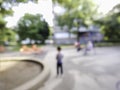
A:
{"points": [[36, 82]]}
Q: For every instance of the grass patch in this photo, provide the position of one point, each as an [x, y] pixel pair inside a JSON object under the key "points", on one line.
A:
{"points": [[103, 44]]}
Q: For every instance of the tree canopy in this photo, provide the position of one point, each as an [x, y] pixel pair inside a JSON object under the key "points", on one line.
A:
{"points": [[83, 10], [111, 24], [77, 13], [84, 13], [6, 10], [33, 27]]}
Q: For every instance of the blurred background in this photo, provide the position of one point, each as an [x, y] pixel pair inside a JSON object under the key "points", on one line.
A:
{"points": [[59, 22]]}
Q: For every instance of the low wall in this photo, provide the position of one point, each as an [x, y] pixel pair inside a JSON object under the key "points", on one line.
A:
{"points": [[36, 82]]}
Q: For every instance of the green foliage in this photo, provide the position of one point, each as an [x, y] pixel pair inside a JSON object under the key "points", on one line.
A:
{"points": [[77, 13], [111, 24], [6, 10], [112, 29], [7, 35], [80, 10], [33, 27]]}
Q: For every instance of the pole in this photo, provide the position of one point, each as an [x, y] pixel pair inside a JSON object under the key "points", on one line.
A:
{"points": [[78, 31], [53, 36]]}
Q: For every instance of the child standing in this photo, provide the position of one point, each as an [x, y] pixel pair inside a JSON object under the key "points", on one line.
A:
{"points": [[59, 58]]}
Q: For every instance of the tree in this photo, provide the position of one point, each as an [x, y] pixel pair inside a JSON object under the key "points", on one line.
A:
{"points": [[6, 10], [111, 24], [77, 12], [33, 27]]}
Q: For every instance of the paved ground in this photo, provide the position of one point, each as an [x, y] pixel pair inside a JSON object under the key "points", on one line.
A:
{"points": [[100, 71]]}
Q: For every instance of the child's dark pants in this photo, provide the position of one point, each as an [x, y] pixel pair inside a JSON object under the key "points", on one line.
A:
{"points": [[59, 68]]}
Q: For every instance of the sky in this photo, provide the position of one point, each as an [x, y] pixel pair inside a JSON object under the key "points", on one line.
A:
{"points": [[106, 5], [44, 7]]}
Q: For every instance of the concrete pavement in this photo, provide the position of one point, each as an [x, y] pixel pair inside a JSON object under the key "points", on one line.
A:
{"points": [[98, 71], [91, 72]]}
